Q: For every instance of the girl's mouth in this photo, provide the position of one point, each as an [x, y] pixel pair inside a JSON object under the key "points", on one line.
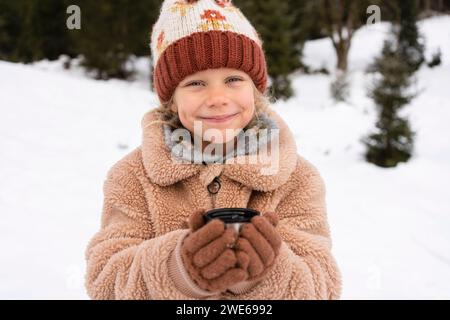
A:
{"points": [[219, 119]]}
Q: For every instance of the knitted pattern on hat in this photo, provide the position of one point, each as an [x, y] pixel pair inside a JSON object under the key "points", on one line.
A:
{"points": [[190, 36]]}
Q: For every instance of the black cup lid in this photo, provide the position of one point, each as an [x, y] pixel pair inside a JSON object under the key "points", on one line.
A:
{"points": [[231, 215]]}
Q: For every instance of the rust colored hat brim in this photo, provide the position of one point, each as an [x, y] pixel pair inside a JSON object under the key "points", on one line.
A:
{"points": [[208, 50]]}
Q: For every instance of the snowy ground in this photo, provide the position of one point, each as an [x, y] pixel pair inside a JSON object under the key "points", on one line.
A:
{"points": [[61, 131]]}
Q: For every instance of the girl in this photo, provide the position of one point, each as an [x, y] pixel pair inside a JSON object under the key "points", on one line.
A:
{"points": [[210, 75]]}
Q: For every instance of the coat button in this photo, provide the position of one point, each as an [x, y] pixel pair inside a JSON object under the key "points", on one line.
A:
{"points": [[214, 186]]}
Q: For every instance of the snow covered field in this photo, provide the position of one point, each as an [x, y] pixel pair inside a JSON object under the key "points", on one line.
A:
{"points": [[60, 132]]}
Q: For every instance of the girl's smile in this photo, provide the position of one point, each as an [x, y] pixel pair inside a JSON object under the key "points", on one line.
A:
{"points": [[220, 119]]}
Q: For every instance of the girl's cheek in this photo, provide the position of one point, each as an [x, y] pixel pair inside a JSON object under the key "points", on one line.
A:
{"points": [[246, 97], [191, 104]]}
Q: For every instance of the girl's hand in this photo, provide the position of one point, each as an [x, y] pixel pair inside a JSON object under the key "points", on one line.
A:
{"points": [[261, 242], [208, 254]]}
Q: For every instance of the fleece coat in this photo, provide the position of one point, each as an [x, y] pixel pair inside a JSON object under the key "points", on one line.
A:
{"points": [[148, 198]]}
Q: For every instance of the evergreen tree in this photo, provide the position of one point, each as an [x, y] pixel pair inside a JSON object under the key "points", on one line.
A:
{"points": [[8, 29], [401, 58], [303, 26], [275, 23], [20, 42], [53, 32], [33, 30], [410, 42], [112, 31], [393, 140]]}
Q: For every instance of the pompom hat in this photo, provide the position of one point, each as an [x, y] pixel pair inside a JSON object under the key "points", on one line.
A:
{"points": [[190, 36]]}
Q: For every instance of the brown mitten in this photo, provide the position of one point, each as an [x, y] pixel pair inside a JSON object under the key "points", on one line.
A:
{"points": [[261, 242], [208, 254]]}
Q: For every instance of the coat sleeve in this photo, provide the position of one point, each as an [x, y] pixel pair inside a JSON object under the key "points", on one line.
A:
{"points": [[305, 268], [125, 260]]}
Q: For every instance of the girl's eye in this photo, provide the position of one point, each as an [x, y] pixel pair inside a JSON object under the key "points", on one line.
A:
{"points": [[237, 79], [194, 82]]}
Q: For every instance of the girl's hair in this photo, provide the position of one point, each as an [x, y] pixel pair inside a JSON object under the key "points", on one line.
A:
{"points": [[263, 102]]}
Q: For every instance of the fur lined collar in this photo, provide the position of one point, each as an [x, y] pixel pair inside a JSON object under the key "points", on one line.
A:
{"points": [[185, 150]]}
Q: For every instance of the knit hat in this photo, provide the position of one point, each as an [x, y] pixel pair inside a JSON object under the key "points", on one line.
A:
{"points": [[194, 35]]}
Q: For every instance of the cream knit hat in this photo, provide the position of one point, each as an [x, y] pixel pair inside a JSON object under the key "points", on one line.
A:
{"points": [[194, 35]]}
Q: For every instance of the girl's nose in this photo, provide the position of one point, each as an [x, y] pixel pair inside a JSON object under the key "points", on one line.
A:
{"points": [[217, 97]]}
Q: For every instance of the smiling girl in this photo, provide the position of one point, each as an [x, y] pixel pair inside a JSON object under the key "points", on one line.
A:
{"points": [[210, 75]]}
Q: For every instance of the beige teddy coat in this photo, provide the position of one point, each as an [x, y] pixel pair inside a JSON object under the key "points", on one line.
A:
{"points": [[148, 198]]}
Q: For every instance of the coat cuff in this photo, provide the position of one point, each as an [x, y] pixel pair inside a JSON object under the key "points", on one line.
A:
{"points": [[180, 276], [244, 286]]}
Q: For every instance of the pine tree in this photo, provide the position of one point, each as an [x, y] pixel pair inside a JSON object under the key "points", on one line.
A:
{"points": [[28, 43], [111, 32], [410, 42], [33, 30], [304, 25], [275, 23], [54, 35], [393, 141], [5, 39], [401, 57]]}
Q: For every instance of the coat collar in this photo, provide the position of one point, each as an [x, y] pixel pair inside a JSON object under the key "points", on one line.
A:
{"points": [[256, 172]]}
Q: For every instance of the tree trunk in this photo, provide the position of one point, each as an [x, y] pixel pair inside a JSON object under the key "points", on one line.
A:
{"points": [[342, 56]]}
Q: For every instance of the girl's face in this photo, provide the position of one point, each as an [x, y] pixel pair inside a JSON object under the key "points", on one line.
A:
{"points": [[217, 99]]}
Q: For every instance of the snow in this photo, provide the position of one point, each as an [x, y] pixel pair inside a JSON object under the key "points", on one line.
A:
{"points": [[60, 131]]}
